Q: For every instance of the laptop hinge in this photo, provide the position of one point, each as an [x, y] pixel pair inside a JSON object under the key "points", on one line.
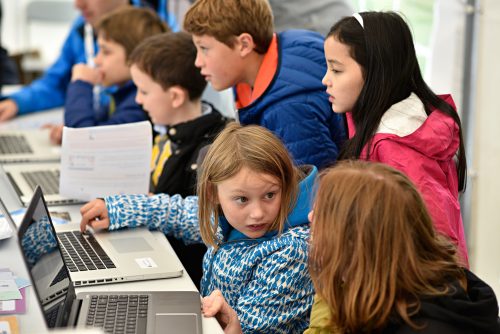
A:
{"points": [[75, 311]]}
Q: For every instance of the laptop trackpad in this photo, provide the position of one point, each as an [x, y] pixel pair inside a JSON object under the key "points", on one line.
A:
{"points": [[176, 323], [130, 245]]}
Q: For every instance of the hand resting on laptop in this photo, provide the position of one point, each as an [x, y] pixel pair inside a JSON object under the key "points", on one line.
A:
{"points": [[94, 214]]}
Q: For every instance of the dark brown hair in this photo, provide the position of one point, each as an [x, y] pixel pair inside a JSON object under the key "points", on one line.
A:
{"points": [[128, 26], [169, 60]]}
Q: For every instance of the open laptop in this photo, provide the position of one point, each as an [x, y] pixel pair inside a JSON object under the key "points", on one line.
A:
{"points": [[106, 257], [26, 146], [25, 177], [48, 271], [114, 312]]}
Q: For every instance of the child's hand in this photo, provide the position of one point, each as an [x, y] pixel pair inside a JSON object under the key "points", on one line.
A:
{"points": [[216, 305], [55, 133], [95, 215], [86, 73]]}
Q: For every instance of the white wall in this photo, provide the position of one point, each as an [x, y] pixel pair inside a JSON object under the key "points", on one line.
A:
{"points": [[485, 227], [18, 35]]}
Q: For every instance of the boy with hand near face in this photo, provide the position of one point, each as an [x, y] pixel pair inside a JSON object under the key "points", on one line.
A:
{"points": [[169, 88], [277, 77], [117, 35]]}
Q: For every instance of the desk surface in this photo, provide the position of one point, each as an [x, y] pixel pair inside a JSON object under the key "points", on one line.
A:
{"points": [[10, 257]]}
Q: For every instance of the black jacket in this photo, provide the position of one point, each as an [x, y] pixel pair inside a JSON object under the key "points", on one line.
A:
{"points": [[474, 311], [180, 170]]}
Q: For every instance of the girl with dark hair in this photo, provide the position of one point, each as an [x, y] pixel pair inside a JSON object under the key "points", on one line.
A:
{"points": [[378, 265], [393, 116]]}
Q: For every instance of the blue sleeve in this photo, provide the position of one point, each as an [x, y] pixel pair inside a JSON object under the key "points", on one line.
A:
{"points": [[307, 131], [49, 91], [279, 297], [79, 111], [172, 215], [38, 240]]}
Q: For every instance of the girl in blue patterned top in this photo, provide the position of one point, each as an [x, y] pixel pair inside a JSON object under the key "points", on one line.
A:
{"points": [[252, 214]]}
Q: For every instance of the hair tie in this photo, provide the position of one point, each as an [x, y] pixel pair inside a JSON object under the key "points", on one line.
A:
{"points": [[359, 18]]}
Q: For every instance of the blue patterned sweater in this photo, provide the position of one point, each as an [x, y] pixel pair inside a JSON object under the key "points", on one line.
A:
{"points": [[266, 280]]}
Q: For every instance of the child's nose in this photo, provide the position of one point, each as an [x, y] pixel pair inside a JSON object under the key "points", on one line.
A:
{"points": [[198, 61], [257, 211]]}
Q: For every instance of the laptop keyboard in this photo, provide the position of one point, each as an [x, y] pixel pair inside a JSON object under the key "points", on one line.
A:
{"points": [[47, 179], [83, 252], [118, 313], [14, 144], [51, 316]]}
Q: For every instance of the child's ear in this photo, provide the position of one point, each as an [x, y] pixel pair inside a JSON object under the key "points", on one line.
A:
{"points": [[177, 96], [245, 44]]}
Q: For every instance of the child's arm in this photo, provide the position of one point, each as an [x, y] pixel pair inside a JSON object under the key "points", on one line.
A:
{"points": [[79, 106], [173, 215], [279, 297]]}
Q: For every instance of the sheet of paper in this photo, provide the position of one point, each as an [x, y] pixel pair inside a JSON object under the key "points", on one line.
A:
{"points": [[106, 160], [9, 290], [14, 306], [5, 229]]}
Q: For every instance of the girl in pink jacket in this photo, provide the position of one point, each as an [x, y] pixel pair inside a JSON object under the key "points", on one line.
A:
{"points": [[393, 116]]}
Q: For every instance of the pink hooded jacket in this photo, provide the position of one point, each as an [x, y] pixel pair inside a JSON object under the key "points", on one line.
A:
{"points": [[423, 147]]}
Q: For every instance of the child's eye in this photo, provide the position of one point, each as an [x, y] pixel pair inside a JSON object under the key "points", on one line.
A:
{"points": [[336, 71], [241, 200], [270, 195]]}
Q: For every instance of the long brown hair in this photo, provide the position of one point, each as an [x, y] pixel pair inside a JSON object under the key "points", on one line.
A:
{"points": [[236, 147], [374, 249]]}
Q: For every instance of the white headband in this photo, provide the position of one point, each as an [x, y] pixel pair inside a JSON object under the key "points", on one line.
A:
{"points": [[359, 18]]}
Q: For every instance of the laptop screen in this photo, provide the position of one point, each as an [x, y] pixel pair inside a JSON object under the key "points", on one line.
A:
{"points": [[43, 258]]}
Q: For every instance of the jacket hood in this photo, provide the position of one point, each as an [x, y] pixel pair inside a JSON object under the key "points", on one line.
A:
{"points": [[406, 122], [297, 217], [475, 310]]}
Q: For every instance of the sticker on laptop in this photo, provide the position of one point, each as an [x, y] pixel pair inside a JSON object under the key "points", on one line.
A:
{"points": [[146, 262]]}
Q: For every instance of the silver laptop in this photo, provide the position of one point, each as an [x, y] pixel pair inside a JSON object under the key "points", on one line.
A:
{"points": [[114, 312], [49, 272], [106, 257], [27, 145], [25, 177]]}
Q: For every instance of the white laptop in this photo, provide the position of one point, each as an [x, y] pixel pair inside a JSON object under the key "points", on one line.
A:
{"points": [[116, 311], [25, 177], [105, 257], [27, 145]]}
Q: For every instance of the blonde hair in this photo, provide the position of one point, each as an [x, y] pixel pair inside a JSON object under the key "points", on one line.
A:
{"points": [[236, 147], [374, 250], [226, 19], [129, 26]]}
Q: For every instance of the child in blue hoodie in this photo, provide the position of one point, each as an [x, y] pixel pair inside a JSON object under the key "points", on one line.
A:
{"points": [[118, 33], [251, 213]]}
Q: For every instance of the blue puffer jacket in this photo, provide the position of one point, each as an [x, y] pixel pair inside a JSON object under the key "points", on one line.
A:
{"points": [[78, 110], [49, 91], [295, 106], [266, 280]]}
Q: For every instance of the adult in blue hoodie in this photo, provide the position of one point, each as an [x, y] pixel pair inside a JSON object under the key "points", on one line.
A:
{"points": [[49, 91]]}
